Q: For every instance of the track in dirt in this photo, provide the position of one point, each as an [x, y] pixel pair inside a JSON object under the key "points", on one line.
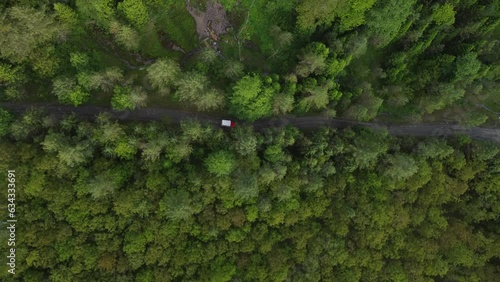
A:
{"points": [[304, 123]]}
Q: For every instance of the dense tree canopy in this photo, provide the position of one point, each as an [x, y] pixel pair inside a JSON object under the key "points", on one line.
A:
{"points": [[102, 200], [278, 205], [251, 98]]}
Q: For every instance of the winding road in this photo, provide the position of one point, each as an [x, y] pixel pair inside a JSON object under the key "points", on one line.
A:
{"points": [[311, 122]]}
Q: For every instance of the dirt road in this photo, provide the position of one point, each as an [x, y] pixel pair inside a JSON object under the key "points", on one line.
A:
{"points": [[305, 123]]}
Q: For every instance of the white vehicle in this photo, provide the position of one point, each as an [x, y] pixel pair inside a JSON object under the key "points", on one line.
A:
{"points": [[228, 123]]}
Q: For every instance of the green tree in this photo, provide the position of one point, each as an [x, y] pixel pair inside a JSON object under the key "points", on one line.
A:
{"points": [[78, 96], [126, 149], [311, 14], [246, 185], [400, 167], [251, 99], [283, 103], [386, 19], [233, 69], [10, 75], [312, 59], [162, 74], [467, 68], [135, 11], [99, 11], [67, 17], [73, 155], [318, 95], [366, 107], [221, 270], [105, 184], [68, 92], [368, 147], [212, 99], [24, 30], [191, 86], [79, 60], [208, 56], [126, 97], [194, 87], [192, 130], [44, 61], [176, 205], [246, 142], [220, 163], [282, 39], [352, 13], [434, 149], [126, 36], [444, 14]]}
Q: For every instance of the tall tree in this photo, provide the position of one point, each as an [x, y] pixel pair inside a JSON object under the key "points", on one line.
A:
{"points": [[220, 163], [312, 59], [386, 19], [24, 30], [135, 11], [176, 205], [312, 14], [126, 97], [126, 36], [251, 99]]}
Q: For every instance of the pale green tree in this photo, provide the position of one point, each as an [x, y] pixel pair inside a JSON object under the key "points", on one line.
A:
{"points": [[246, 141], [251, 99], [386, 19], [282, 39], [101, 12], [25, 30], [135, 11], [352, 13], [317, 95], [193, 87], [311, 13], [233, 69], [220, 163], [400, 167], [245, 185], [162, 74], [126, 36], [283, 103], [192, 130], [312, 59], [444, 14], [68, 92], [126, 97], [213, 99], [104, 184], [176, 205], [190, 86]]}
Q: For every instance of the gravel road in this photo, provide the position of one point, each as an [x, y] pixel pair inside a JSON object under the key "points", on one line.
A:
{"points": [[305, 123]]}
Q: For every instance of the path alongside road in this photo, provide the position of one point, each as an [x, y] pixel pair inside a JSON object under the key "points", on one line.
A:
{"points": [[311, 122]]}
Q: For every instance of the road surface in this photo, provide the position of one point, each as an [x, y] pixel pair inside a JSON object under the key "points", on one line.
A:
{"points": [[311, 122]]}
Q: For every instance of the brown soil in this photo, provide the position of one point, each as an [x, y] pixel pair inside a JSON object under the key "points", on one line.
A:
{"points": [[213, 19]]}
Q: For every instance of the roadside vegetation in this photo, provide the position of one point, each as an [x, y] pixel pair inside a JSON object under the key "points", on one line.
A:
{"points": [[101, 200]]}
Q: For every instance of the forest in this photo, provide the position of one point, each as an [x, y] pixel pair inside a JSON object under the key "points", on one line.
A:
{"points": [[103, 201], [100, 199]]}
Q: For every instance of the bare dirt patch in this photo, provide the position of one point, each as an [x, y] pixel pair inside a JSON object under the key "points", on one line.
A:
{"points": [[212, 22]]}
